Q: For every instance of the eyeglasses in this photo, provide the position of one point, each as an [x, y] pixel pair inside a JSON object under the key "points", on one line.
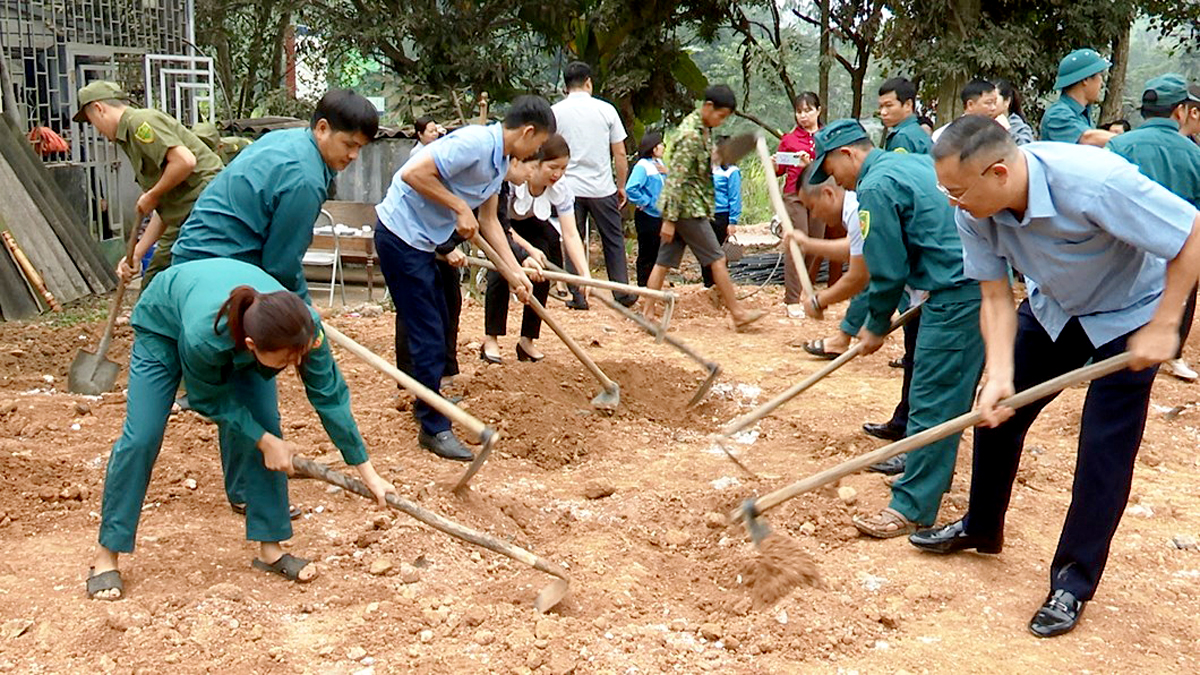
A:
{"points": [[958, 200]]}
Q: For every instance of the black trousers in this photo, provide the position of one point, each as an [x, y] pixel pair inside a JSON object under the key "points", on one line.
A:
{"points": [[911, 329], [720, 226], [412, 278], [648, 229], [450, 281], [542, 235], [607, 215], [1114, 417]]}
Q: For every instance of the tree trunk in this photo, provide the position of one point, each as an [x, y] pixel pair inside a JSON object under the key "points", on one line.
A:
{"points": [[857, 77], [964, 18], [1113, 106], [824, 61]]}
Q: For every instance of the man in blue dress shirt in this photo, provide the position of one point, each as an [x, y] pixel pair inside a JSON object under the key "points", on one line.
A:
{"points": [[432, 197], [1114, 255]]}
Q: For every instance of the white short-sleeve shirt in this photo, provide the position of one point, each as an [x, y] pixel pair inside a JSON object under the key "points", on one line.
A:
{"points": [[590, 127]]}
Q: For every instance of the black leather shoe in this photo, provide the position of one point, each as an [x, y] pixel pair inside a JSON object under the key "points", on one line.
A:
{"points": [[887, 431], [626, 299], [489, 358], [523, 355], [578, 302], [1059, 615], [446, 445], [951, 538], [890, 467]]}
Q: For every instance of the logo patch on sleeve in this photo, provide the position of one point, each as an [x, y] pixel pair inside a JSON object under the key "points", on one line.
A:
{"points": [[864, 222], [902, 151], [144, 133], [318, 340]]}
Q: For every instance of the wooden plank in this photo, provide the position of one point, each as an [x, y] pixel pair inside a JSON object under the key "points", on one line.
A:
{"points": [[38, 241], [85, 252]]}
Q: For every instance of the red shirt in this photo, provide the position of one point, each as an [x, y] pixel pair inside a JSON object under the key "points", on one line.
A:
{"points": [[797, 140]]}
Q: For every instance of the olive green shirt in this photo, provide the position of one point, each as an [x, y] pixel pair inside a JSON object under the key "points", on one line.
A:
{"points": [[146, 135], [1164, 155]]}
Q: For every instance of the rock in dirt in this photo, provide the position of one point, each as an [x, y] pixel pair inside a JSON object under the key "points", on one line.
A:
{"points": [[534, 659], [732, 643], [381, 566], [368, 538], [409, 574], [381, 522], [676, 537], [82, 408], [714, 520], [847, 494], [546, 629], [710, 632], [227, 591], [1185, 542], [598, 489], [122, 619], [808, 528], [484, 637], [356, 653], [916, 592], [678, 625], [190, 483], [560, 663], [47, 494], [475, 616]]}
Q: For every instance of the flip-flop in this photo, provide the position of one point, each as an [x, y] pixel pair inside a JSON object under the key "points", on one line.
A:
{"points": [[886, 524], [817, 349], [288, 566], [105, 581]]}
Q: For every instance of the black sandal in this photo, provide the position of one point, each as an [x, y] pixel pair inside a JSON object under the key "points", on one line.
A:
{"points": [[105, 581], [288, 566], [817, 348]]}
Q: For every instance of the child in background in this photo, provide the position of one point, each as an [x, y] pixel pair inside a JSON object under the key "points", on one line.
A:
{"points": [[727, 184], [643, 188]]}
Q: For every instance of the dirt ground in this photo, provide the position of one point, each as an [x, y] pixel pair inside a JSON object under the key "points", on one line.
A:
{"points": [[629, 503]]}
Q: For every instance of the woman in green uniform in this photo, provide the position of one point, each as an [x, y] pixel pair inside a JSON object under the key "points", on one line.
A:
{"points": [[214, 322]]}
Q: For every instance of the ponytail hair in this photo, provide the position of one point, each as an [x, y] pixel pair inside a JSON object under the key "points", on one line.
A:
{"points": [[274, 321]]}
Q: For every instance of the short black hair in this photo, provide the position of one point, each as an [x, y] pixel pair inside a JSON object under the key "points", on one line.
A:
{"points": [[969, 135], [721, 96], [1129, 127], [576, 74], [974, 89], [902, 87], [530, 110], [807, 98], [348, 112], [1008, 91], [422, 123], [650, 141]]}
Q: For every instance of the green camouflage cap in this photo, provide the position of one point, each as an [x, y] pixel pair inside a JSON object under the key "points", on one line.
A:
{"points": [[831, 137], [100, 90], [1078, 66], [1168, 91]]}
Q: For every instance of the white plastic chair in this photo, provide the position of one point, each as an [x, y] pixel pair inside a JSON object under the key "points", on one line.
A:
{"points": [[331, 258]]}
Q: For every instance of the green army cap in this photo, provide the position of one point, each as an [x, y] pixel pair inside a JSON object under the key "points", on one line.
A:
{"points": [[1078, 66], [1168, 91], [100, 90], [831, 137]]}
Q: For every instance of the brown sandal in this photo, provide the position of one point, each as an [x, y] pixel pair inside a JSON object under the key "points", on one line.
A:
{"points": [[886, 524]]}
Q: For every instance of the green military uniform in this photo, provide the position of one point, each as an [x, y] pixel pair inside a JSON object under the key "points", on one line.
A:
{"points": [[908, 136], [174, 338], [909, 237], [1162, 153], [1067, 119], [226, 147]]}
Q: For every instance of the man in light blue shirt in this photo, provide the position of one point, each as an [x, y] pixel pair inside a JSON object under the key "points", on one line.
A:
{"points": [[432, 196], [1114, 255]]}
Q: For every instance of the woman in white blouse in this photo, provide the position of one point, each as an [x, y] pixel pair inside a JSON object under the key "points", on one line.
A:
{"points": [[541, 220]]}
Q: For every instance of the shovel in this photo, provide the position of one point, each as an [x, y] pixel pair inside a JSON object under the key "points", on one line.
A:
{"points": [[610, 396], [752, 508], [486, 435], [94, 373], [550, 596], [734, 148], [785, 220]]}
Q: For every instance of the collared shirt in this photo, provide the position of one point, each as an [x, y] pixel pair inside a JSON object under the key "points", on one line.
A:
{"points": [[174, 317], [645, 185], [262, 207], [1019, 129], [146, 136], [796, 140], [1094, 236], [909, 234], [1066, 120], [727, 187], [851, 222], [908, 136], [1166, 156], [590, 127], [688, 192], [470, 163]]}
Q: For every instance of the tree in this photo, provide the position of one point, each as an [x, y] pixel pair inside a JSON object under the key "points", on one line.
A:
{"points": [[247, 41], [855, 23]]}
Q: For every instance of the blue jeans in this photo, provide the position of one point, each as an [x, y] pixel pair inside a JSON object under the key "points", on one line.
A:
{"points": [[413, 280]]}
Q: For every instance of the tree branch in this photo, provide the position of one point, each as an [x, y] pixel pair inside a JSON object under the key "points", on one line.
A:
{"points": [[749, 116]]}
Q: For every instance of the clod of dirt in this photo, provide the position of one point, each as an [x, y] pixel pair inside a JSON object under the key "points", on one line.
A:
{"points": [[475, 616], [546, 629], [484, 637], [782, 566], [714, 520], [916, 592], [368, 538], [227, 591], [598, 489], [534, 659], [560, 663], [82, 408], [409, 574], [356, 653], [710, 632], [847, 494], [732, 643], [381, 566], [678, 625], [381, 522], [1184, 542]]}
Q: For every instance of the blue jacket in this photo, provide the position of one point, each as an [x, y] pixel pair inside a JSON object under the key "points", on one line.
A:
{"points": [[645, 185], [728, 184]]}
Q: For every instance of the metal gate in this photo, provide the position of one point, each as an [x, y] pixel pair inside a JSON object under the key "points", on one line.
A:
{"points": [[181, 86]]}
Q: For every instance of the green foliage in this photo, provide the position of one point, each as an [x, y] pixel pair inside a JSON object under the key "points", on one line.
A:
{"points": [[246, 40], [756, 201]]}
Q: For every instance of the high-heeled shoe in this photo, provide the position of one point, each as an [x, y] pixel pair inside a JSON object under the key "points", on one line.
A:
{"points": [[490, 358], [523, 355]]}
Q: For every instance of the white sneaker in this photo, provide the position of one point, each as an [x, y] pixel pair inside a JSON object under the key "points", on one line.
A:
{"points": [[1180, 369]]}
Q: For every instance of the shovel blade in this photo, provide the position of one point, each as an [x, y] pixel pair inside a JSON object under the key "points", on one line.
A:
{"points": [[551, 595], [608, 400], [92, 374]]}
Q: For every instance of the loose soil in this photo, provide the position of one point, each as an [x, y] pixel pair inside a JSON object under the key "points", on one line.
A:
{"points": [[633, 504]]}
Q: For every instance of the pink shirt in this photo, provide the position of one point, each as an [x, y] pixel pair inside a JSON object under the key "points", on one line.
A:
{"points": [[797, 140]]}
